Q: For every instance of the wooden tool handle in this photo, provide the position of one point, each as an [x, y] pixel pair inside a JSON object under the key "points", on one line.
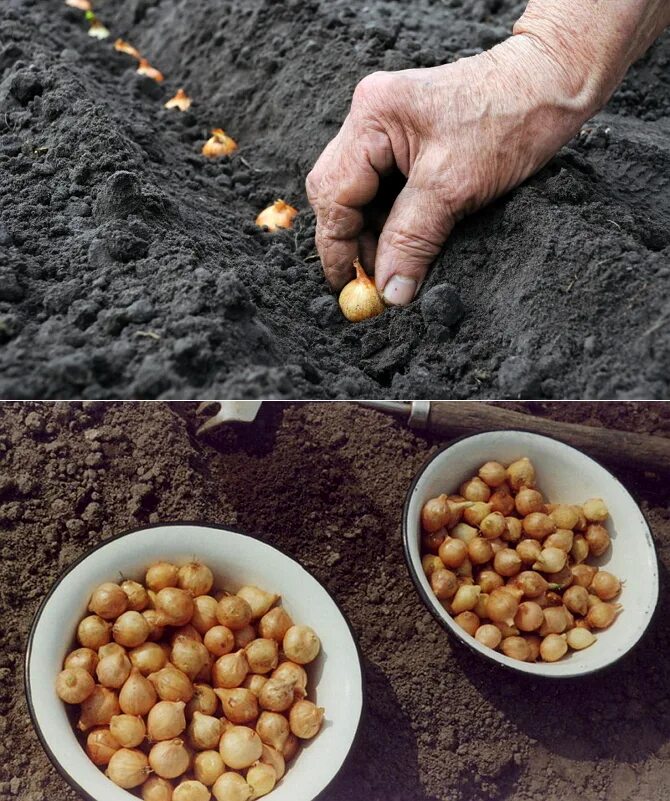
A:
{"points": [[639, 451]]}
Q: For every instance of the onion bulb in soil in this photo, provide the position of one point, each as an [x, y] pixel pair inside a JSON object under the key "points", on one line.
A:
{"points": [[128, 768], [80, 5], [219, 144], [278, 215], [240, 747], [181, 101], [74, 685], [144, 68], [124, 47], [359, 300]]}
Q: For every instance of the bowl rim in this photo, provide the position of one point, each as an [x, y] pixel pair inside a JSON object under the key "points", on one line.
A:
{"points": [[427, 602], [60, 768]]}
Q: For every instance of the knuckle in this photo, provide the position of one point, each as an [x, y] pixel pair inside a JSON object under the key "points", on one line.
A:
{"points": [[373, 88]]}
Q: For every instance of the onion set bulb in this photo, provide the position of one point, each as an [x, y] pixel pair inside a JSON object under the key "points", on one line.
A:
{"points": [[180, 101], [169, 758], [166, 720], [74, 685], [278, 215], [240, 747], [124, 47], [156, 789], [101, 745], [128, 768], [145, 68], [360, 300], [231, 786]]}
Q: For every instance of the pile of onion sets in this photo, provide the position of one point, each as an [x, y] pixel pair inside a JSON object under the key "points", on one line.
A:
{"points": [[515, 571], [185, 692]]}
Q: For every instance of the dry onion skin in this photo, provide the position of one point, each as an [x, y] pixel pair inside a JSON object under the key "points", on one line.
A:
{"points": [[125, 47], [279, 215], [512, 568], [180, 101], [360, 300], [188, 692], [145, 68], [219, 144]]}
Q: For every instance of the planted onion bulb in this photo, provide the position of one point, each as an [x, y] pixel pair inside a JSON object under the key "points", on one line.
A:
{"points": [[204, 731], [161, 575], [169, 758], [240, 747], [81, 5], [124, 47], [74, 685], [488, 635], [207, 767], [602, 614], [93, 632], [145, 68], [108, 601], [181, 101], [156, 789], [128, 768], [278, 215], [97, 30], [137, 695], [233, 612], [502, 606], [274, 624], [553, 647], [98, 708], [101, 745], [521, 474], [605, 585], [360, 300], [128, 730], [172, 684], [229, 671], [492, 473], [137, 596], [301, 644], [231, 787], [273, 729], [305, 719], [262, 778], [195, 578], [84, 658]]}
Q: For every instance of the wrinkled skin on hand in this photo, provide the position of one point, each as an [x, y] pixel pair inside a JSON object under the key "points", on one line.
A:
{"points": [[461, 134]]}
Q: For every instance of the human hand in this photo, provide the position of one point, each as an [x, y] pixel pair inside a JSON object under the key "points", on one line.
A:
{"points": [[462, 134]]}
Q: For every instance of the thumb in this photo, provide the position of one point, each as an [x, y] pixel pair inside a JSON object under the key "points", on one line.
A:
{"points": [[416, 229]]}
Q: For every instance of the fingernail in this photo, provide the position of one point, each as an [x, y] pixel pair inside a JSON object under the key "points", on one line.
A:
{"points": [[400, 290]]}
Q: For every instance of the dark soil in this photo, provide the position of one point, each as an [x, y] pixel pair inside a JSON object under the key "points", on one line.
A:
{"points": [[130, 265], [326, 484]]}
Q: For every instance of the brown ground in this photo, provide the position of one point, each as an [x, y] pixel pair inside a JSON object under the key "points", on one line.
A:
{"points": [[326, 484]]}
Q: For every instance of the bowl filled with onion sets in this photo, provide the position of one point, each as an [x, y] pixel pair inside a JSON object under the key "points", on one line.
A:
{"points": [[531, 553], [188, 662]]}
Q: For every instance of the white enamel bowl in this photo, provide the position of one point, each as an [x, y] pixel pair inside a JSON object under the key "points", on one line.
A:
{"points": [[564, 475], [236, 559]]}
